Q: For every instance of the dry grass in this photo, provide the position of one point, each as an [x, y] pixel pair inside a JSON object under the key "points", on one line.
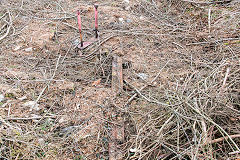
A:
{"points": [[186, 107]]}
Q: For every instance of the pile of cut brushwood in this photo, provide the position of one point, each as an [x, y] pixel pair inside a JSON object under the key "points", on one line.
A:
{"points": [[131, 79]]}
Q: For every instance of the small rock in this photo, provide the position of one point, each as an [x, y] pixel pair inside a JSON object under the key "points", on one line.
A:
{"points": [[67, 130], [66, 85], [1, 97], [29, 104], [133, 150], [30, 49], [120, 19], [128, 20], [5, 104], [62, 119], [76, 42], [126, 5], [32, 104], [35, 116], [51, 145], [141, 17], [16, 48], [22, 98], [142, 76], [41, 141], [127, 8], [36, 108]]}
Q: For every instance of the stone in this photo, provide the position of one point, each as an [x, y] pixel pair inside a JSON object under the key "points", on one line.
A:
{"points": [[127, 8], [16, 48], [22, 98], [2, 97], [41, 141], [62, 119], [128, 20], [120, 20], [142, 76], [30, 49], [141, 18], [32, 104]]}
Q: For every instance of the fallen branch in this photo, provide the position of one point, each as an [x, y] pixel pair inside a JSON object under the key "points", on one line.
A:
{"points": [[196, 2], [217, 41], [29, 118], [222, 139], [207, 3], [214, 123], [9, 27], [225, 78], [58, 18]]}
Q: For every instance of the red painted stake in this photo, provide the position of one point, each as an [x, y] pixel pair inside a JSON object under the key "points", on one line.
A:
{"points": [[96, 20], [80, 27]]}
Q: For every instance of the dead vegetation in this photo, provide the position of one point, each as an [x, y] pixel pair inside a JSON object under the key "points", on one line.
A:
{"points": [[181, 74]]}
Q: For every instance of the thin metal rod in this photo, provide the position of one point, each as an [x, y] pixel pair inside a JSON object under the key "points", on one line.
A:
{"points": [[96, 20], [80, 27]]}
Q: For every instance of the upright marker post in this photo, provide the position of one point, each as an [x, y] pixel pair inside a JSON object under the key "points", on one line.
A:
{"points": [[96, 20], [80, 27]]}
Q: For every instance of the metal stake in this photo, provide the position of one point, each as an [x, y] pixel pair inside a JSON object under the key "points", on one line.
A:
{"points": [[80, 27], [96, 20]]}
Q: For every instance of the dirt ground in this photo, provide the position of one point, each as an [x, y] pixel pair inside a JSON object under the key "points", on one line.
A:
{"points": [[181, 60]]}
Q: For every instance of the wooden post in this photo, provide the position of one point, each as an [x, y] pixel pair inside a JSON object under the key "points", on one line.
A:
{"points": [[117, 132], [117, 76]]}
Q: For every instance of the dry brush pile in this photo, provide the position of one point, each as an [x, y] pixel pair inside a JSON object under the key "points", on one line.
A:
{"points": [[181, 80]]}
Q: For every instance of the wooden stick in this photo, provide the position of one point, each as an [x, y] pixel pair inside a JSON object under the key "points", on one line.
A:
{"points": [[9, 27], [222, 138], [222, 89], [225, 78], [209, 20]]}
